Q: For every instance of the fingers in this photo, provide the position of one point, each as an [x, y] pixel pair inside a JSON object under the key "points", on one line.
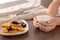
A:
{"points": [[41, 27], [46, 29], [35, 22], [52, 20], [53, 23]]}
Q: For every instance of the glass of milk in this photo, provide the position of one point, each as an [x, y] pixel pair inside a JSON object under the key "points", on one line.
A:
{"points": [[43, 18]]}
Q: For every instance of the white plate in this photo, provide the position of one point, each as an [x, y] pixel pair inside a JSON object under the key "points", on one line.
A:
{"points": [[17, 33]]}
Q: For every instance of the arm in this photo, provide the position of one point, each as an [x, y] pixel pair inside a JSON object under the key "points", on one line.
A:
{"points": [[53, 8]]}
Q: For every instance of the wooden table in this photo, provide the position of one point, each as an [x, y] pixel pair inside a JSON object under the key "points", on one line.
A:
{"points": [[35, 34]]}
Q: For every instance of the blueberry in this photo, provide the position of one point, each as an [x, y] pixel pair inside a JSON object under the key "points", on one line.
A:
{"points": [[23, 24], [9, 28], [14, 22]]}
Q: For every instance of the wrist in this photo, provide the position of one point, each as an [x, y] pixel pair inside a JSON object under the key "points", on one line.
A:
{"points": [[58, 19]]}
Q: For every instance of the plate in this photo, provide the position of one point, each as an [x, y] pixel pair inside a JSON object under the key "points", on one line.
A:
{"points": [[18, 32]]}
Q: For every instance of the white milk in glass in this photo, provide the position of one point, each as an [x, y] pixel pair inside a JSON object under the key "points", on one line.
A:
{"points": [[43, 18]]}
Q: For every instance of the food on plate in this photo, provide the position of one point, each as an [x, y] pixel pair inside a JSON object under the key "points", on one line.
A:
{"points": [[4, 30], [9, 28], [14, 22], [6, 24], [13, 26], [23, 24]]}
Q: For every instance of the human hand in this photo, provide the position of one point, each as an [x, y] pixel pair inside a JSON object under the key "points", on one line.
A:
{"points": [[35, 22], [46, 27]]}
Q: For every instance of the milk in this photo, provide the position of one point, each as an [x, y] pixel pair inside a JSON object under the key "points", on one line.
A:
{"points": [[43, 18]]}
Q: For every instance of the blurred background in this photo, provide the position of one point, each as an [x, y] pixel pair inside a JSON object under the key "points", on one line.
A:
{"points": [[45, 3], [7, 3]]}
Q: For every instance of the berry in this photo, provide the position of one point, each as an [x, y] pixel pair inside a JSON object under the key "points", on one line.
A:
{"points": [[14, 22], [23, 24], [9, 28]]}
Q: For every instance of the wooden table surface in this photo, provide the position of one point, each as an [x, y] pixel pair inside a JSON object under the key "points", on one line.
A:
{"points": [[35, 34]]}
